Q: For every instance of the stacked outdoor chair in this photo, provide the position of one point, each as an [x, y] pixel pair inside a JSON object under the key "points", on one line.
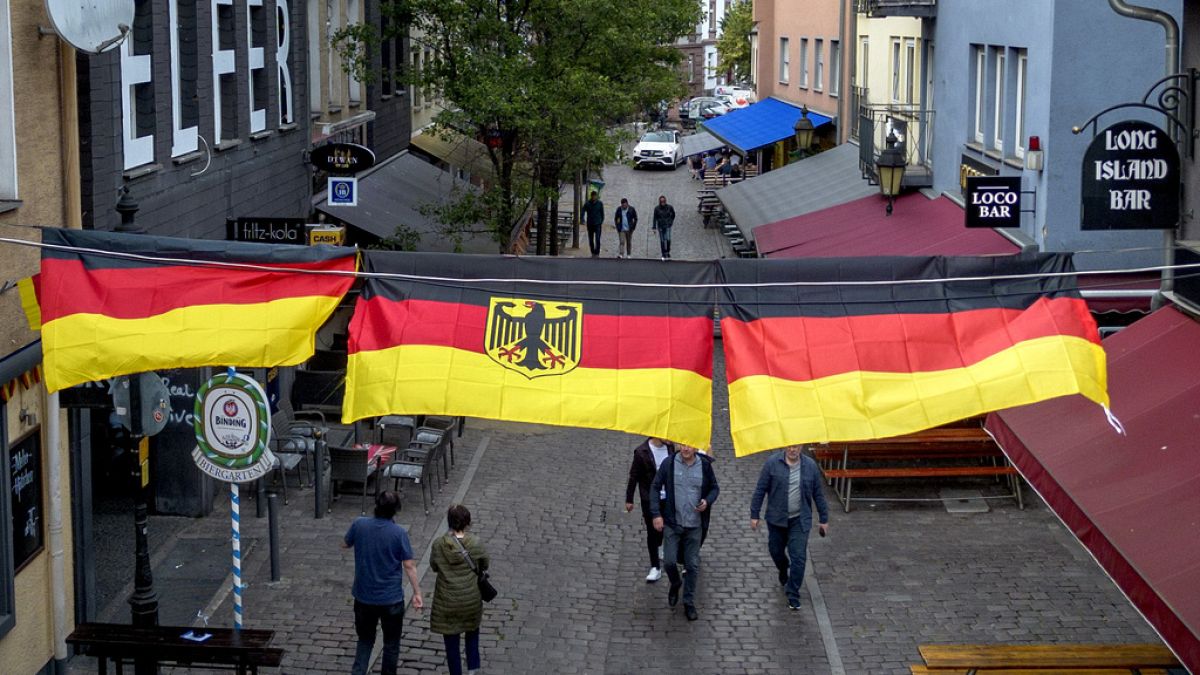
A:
{"points": [[295, 444]]}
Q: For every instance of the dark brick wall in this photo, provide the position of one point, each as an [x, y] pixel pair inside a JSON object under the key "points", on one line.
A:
{"points": [[392, 128], [266, 176]]}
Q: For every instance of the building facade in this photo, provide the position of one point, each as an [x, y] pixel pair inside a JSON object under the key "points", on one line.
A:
{"points": [[801, 56], [39, 154], [699, 49], [994, 67]]}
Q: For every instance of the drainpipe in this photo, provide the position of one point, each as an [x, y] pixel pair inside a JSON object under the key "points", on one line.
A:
{"points": [[58, 576], [1171, 28]]}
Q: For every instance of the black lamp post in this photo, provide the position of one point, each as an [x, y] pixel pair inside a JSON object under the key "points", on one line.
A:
{"points": [[804, 132], [890, 167]]}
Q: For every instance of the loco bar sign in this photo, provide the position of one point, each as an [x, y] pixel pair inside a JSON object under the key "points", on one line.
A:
{"points": [[1131, 179], [993, 201]]}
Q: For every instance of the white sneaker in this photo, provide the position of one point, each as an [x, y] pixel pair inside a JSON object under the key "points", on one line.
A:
{"points": [[654, 575]]}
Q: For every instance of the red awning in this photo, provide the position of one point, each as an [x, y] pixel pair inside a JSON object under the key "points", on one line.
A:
{"points": [[1138, 281], [1132, 500], [918, 226]]}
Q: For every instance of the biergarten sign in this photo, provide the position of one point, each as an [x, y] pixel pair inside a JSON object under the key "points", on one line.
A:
{"points": [[993, 201], [1130, 179], [233, 429]]}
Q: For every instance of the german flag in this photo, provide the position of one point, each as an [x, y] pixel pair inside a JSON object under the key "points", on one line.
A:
{"points": [[836, 359], [540, 340], [114, 304]]}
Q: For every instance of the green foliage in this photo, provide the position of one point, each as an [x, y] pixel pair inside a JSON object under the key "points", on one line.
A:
{"points": [[404, 238], [733, 47]]}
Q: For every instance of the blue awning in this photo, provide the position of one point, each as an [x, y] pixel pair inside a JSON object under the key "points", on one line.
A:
{"points": [[759, 124]]}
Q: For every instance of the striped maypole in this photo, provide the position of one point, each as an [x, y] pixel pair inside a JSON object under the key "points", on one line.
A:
{"points": [[235, 512]]}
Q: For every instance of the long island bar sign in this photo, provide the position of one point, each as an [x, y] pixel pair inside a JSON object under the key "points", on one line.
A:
{"points": [[1131, 179]]}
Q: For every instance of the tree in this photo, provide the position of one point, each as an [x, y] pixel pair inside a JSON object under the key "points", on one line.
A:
{"points": [[733, 47]]}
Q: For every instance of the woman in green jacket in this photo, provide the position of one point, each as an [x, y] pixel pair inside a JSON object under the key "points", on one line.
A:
{"points": [[457, 607]]}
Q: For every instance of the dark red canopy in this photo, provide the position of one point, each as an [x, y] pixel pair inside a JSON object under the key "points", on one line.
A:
{"points": [[918, 226], [1132, 500]]}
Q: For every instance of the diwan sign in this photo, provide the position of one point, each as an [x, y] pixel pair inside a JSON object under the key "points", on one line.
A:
{"points": [[342, 157]]}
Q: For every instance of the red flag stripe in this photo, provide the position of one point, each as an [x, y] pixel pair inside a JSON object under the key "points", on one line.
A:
{"points": [[809, 348], [616, 342]]}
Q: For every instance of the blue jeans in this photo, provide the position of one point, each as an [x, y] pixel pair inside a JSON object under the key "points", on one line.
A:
{"points": [[454, 660], [664, 240], [391, 617], [685, 543], [786, 543]]}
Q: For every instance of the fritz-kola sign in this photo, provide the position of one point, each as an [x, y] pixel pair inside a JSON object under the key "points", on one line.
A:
{"points": [[1131, 179], [233, 429]]}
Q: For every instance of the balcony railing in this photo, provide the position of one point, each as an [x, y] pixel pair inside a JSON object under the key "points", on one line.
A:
{"points": [[858, 96], [882, 8], [913, 128]]}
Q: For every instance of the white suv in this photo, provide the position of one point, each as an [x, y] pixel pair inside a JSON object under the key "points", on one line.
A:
{"points": [[659, 148]]}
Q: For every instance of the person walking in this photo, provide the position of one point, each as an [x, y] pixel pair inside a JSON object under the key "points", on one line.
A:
{"points": [[689, 488], [626, 219], [382, 558], [647, 457], [696, 166], [790, 482], [457, 605], [592, 215], [664, 218]]}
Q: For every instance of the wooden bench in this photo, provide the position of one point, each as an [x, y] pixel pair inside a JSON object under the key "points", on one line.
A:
{"points": [[925, 670], [244, 651], [892, 457], [1064, 658]]}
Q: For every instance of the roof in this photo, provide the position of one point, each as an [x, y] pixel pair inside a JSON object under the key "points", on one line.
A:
{"points": [[699, 142], [919, 226], [393, 193], [456, 150], [1130, 498], [759, 124], [825, 179]]}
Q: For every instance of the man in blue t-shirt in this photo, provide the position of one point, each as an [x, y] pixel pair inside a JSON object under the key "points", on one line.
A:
{"points": [[381, 551]]}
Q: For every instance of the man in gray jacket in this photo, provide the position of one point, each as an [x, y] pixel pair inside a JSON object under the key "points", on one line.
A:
{"points": [[791, 483]]}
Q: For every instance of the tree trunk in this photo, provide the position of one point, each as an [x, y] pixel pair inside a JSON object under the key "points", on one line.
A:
{"points": [[554, 225], [575, 193]]}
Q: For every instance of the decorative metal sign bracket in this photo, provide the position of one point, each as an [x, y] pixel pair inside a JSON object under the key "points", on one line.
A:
{"points": [[1034, 200], [1175, 100]]}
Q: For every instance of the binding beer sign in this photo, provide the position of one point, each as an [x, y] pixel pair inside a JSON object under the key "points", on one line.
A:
{"points": [[1131, 179], [233, 429]]}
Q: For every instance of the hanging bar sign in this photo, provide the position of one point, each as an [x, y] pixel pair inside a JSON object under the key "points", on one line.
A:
{"points": [[1131, 179], [342, 157], [993, 201]]}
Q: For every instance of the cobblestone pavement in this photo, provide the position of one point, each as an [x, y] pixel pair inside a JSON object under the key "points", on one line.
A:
{"points": [[570, 563]]}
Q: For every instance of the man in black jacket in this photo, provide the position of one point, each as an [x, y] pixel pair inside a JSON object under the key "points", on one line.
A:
{"points": [[592, 215], [625, 219], [647, 457], [689, 487], [664, 218]]}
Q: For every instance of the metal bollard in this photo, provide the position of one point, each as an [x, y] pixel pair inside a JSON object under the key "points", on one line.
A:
{"points": [[273, 533], [260, 498], [319, 480]]}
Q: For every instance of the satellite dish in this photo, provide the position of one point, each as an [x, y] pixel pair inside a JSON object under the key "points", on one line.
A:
{"points": [[91, 26]]}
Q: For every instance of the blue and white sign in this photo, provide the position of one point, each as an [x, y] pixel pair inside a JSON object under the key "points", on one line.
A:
{"points": [[343, 191]]}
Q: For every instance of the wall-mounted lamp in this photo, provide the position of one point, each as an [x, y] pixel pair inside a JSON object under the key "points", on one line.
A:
{"points": [[890, 167], [27, 418], [1034, 160], [803, 129]]}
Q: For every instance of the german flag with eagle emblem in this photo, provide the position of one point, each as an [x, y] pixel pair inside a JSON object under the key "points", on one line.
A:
{"points": [[846, 349], [542, 340]]}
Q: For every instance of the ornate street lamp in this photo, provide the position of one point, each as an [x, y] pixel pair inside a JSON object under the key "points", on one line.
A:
{"points": [[890, 167], [804, 132]]}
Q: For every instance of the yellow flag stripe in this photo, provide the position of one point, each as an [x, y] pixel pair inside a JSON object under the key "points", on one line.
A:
{"points": [[767, 413], [432, 380], [29, 303], [85, 347]]}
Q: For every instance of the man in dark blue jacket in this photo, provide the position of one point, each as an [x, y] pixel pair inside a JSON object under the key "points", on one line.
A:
{"points": [[690, 488], [791, 483]]}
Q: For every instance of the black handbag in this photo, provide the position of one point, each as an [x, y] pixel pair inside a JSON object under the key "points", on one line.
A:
{"points": [[486, 590]]}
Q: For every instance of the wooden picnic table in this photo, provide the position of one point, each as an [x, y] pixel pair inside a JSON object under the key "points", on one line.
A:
{"points": [[985, 658], [241, 650]]}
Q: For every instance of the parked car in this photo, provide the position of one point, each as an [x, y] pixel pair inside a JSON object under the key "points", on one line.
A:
{"points": [[658, 148], [706, 107], [740, 97]]}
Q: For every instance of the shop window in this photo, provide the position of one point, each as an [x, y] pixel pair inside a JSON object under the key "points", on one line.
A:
{"points": [[8, 136]]}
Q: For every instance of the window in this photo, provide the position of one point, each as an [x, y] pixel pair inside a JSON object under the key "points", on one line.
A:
{"points": [[930, 69], [283, 44], [835, 67], [137, 90], [818, 64], [998, 107], [316, 104], [1020, 135], [256, 41], [353, 87], [783, 60], [224, 57], [8, 189], [803, 65], [910, 71], [864, 70], [896, 71], [980, 78], [427, 62], [691, 68], [391, 52], [416, 71]]}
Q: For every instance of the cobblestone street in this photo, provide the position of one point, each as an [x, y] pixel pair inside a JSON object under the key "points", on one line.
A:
{"points": [[570, 563]]}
